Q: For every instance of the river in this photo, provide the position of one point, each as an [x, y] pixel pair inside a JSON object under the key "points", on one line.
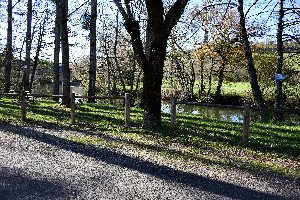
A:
{"points": [[223, 114]]}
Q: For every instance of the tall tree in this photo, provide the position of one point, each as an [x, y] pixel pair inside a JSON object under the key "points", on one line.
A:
{"points": [[8, 57], [38, 49], [28, 46], [93, 50], [151, 58], [278, 95], [56, 50], [258, 97], [116, 54], [65, 51]]}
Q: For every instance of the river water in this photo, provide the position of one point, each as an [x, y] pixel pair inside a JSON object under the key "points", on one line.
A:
{"points": [[222, 114]]}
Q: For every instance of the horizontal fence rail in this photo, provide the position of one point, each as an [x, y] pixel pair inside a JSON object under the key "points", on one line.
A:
{"points": [[210, 105], [246, 113], [44, 96], [98, 97]]}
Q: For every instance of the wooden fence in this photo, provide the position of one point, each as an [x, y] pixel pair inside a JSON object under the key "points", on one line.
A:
{"points": [[246, 108], [246, 113], [23, 99]]}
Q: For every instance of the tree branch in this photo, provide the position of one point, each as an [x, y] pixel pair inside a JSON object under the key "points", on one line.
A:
{"points": [[253, 4], [173, 15], [121, 10], [129, 13], [296, 39], [77, 8], [133, 28], [16, 4]]}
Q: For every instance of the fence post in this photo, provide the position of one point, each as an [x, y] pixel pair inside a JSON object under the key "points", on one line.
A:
{"points": [[72, 119], [127, 110], [246, 122], [23, 105], [173, 113]]}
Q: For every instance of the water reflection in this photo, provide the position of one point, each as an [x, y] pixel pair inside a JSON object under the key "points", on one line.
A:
{"points": [[221, 114], [224, 114]]}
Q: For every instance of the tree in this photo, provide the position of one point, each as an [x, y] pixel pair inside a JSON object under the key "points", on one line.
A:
{"points": [[180, 70], [151, 57], [116, 54], [278, 93], [220, 48], [8, 57], [38, 49], [65, 50], [258, 97], [28, 47], [93, 50], [55, 68]]}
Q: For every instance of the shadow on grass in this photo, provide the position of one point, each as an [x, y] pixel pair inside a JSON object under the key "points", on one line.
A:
{"points": [[271, 140], [226, 161], [98, 107], [51, 112], [10, 109], [10, 114], [14, 185], [191, 130], [162, 172], [9, 105], [98, 118]]}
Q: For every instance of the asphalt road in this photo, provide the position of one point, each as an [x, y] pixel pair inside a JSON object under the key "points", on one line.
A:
{"points": [[41, 164]]}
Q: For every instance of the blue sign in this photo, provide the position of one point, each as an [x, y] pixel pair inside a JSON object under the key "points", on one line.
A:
{"points": [[280, 77]]}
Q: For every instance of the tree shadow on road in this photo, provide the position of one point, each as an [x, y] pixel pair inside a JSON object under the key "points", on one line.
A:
{"points": [[15, 185], [162, 172]]}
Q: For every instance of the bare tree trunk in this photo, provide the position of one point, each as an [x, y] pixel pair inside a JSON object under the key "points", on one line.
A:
{"points": [[278, 93], [28, 46], [109, 66], [131, 81], [108, 76], [220, 83], [18, 85], [8, 56], [115, 55], [39, 47], [201, 80], [258, 97], [93, 51], [201, 86], [192, 80], [136, 91], [152, 83], [210, 77], [65, 52], [56, 51]]}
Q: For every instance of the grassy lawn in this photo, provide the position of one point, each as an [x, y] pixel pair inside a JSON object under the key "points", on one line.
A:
{"points": [[273, 147], [229, 88], [238, 88]]}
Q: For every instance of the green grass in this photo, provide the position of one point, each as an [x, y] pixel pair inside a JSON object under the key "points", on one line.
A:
{"points": [[228, 88], [273, 147], [237, 88]]}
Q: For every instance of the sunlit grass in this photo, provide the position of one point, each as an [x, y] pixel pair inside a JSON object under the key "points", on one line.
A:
{"points": [[228, 88], [272, 148]]}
